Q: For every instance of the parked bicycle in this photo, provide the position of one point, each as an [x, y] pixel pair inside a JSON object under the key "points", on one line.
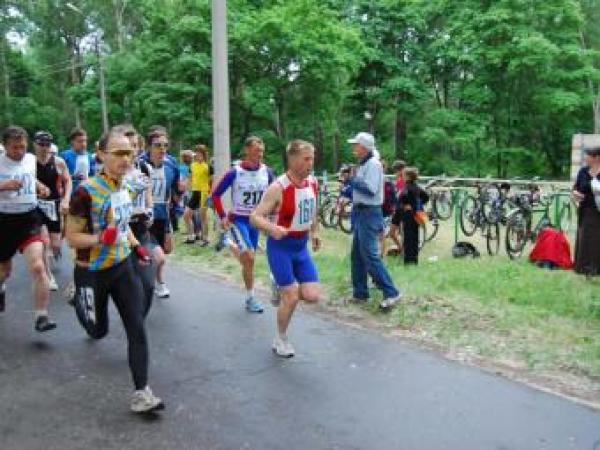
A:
{"points": [[520, 227], [473, 216]]}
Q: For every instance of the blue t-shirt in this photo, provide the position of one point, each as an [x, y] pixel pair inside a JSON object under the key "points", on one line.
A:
{"points": [[184, 171], [77, 164]]}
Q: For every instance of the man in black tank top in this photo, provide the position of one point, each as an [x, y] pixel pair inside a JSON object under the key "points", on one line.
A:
{"points": [[53, 173]]}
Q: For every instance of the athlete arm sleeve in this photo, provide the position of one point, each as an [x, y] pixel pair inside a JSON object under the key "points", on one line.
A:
{"points": [[222, 186]]}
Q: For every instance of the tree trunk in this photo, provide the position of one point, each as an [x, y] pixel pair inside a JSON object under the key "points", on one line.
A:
{"points": [[335, 150], [119, 9], [318, 147], [400, 133], [597, 113], [6, 81], [279, 125], [247, 123], [75, 81]]}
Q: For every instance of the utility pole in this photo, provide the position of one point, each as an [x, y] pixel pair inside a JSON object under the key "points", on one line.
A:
{"points": [[102, 85], [220, 87]]}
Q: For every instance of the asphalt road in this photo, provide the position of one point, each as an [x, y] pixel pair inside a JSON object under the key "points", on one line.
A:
{"points": [[212, 364]]}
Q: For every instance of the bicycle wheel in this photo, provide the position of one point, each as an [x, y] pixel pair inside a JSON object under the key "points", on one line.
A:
{"points": [[431, 228], [442, 205], [468, 215], [344, 218], [491, 199], [325, 211], [333, 215], [492, 237], [516, 234]]}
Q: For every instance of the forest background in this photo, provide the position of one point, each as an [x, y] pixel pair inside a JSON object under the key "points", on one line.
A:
{"points": [[460, 87]]}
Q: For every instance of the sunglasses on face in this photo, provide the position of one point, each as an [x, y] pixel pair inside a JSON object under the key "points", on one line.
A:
{"points": [[43, 144], [160, 144], [121, 152]]}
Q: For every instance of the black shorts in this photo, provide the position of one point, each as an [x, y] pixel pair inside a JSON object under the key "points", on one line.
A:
{"points": [[159, 230], [140, 229], [53, 226], [18, 231], [196, 200]]}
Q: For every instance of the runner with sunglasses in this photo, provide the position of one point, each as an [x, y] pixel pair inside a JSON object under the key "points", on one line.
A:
{"points": [[53, 173], [98, 228], [137, 181], [165, 186], [248, 181]]}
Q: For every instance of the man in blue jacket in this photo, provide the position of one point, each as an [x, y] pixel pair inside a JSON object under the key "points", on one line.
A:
{"points": [[367, 198], [77, 158]]}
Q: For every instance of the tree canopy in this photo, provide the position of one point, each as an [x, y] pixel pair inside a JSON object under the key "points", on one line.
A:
{"points": [[459, 87]]}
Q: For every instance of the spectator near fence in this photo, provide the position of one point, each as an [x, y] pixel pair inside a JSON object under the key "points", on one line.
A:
{"points": [[586, 192], [410, 205], [398, 168], [367, 199]]}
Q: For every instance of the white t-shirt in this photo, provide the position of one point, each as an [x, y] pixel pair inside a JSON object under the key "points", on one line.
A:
{"points": [[82, 165], [25, 198]]}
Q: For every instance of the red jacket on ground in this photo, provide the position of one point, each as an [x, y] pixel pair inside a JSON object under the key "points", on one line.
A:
{"points": [[552, 245]]}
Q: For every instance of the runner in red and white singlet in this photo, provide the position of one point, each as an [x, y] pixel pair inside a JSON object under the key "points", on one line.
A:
{"points": [[292, 198]]}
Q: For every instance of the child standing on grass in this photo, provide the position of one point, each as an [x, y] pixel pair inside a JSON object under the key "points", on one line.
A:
{"points": [[410, 202]]}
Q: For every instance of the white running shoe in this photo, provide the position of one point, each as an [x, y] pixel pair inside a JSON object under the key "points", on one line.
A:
{"points": [[52, 284], [145, 401], [161, 290], [283, 348]]}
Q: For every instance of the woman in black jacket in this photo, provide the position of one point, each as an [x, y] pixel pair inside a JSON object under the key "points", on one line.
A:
{"points": [[411, 200], [586, 193]]}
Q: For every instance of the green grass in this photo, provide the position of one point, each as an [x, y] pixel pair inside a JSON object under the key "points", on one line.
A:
{"points": [[511, 312]]}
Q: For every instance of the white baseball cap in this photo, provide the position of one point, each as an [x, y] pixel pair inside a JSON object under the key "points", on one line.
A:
{"points": [[365, 139]]}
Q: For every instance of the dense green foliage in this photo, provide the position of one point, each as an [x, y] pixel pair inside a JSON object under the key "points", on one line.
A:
{"points": [[462, 87]]}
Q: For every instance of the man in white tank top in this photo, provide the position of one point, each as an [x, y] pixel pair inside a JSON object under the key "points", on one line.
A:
{"points": [[20, 222], [248, 181]]}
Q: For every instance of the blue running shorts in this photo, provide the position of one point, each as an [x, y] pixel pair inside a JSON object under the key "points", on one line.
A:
{"points": [[290, 261], [244, 235]]}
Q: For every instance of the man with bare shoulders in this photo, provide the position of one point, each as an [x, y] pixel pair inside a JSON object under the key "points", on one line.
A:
{"points": [[292, 198]]}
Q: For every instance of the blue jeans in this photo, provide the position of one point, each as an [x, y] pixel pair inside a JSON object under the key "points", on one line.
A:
{"points": [[368, 224]]}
